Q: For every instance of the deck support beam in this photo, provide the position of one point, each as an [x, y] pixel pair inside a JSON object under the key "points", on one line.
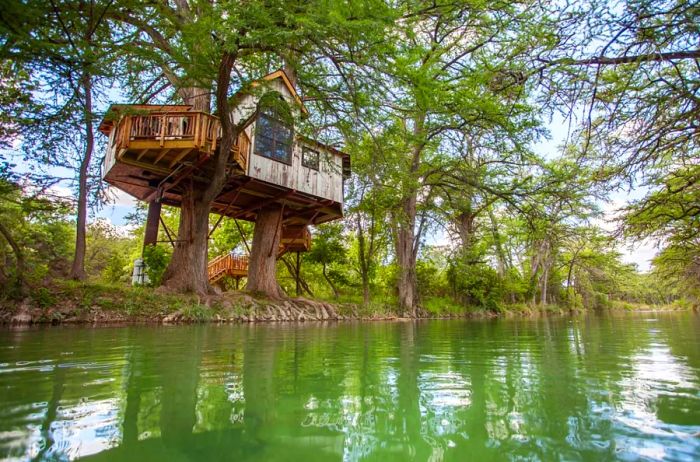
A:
{"points": [[152, 220]]}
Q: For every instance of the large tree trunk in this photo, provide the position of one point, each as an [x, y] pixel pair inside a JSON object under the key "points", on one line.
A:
{"points": [[406, 256], [262, 263], [364, 256], [78, 267], [187, 270], [262, 266]]}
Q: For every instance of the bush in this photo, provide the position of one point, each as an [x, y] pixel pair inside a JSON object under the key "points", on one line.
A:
{"points": [[601, 301], [156, 259], [116, 269], [572, 300], [477, 285]]}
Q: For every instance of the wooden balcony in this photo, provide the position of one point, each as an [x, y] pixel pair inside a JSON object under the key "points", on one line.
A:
{"points": [[161, 140]]}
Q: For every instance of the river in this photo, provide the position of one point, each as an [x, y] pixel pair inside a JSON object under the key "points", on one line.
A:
{"points": [[613, 387]]}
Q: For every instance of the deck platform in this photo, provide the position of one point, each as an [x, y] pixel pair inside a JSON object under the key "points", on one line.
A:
{"points": [[156, 151]]}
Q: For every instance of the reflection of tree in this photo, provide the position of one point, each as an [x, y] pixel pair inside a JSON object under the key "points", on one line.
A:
{"points": [[180, 376], [133, 398], [58, 377], [258, 382], [409, 394], [524, 389]]}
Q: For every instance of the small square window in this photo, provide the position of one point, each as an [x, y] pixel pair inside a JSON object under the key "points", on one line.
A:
{"points": [[310, 158]]}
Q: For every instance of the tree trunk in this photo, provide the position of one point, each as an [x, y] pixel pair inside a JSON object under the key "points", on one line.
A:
{"points": [[498, 245], [187, 270], [545, 278], [406, 257], [262, 274], [330, 283], [364, 257], [19, 259], [199, 98], [78, 267]]}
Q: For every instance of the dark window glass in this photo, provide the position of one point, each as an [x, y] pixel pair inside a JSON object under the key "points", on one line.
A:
{"points": [[273, 139], [310, 158]]}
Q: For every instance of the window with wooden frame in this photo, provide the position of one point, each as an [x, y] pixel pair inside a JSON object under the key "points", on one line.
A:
{"points": [[310, 158], [273, 131]]}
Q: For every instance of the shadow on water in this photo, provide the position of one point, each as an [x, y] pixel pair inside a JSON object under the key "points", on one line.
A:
{"points": [[593, 388]]}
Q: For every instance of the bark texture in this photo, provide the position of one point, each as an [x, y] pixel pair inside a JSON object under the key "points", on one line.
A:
{"points": [[406, 257], [187, 270], [78, 266], [262, 266]]}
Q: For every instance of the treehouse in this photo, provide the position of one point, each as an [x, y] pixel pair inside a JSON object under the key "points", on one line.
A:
{"points": [[154, 151]]}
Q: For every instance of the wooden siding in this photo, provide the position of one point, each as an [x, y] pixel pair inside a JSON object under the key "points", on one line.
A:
{"points": [[326, 182]]}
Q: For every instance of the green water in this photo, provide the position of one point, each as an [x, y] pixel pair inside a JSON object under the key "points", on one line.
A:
{"points": [[620, 387]]}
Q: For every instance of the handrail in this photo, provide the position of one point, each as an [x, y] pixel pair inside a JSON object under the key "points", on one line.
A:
{"points": [[227, 264]]}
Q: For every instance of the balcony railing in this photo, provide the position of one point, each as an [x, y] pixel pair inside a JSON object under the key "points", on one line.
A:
{"points": [[173, 132], [227, 264]]}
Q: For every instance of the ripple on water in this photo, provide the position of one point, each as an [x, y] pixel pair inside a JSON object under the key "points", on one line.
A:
{"points": [[585, 389]]}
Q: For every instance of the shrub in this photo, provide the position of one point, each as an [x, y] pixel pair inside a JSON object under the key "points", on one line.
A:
{"points": [[156, 259]]}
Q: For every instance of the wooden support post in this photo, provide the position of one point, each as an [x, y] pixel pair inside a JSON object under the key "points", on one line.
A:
{"points": [[151, 236]]}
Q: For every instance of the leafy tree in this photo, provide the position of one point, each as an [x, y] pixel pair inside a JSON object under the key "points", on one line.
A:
{"points": [[328, 250], [64, 56]]}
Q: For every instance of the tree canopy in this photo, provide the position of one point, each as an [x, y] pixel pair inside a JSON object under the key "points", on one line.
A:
{"points": [[443, 108]]}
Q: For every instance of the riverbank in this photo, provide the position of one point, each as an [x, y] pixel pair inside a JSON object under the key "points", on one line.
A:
{"points": [[85, 303]]}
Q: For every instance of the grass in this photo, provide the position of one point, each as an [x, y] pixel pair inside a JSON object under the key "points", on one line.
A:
{"points": [[67, 299], [80, 298]]}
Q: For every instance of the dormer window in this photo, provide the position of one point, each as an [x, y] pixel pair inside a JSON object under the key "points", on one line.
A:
{"points": [[273, 129]]}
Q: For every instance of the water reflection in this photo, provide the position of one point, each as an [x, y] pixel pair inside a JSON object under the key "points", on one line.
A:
{"points": [[586, 389]]}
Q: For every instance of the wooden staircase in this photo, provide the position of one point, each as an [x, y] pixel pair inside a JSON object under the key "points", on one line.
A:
{"points": [[294, 239], [227, 265]]}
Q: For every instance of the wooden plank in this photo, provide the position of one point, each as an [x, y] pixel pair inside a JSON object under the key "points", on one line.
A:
{"points": [[146, 166], [142, 153], [162, 130], [161, 155], [155, 144], [179, 157]]}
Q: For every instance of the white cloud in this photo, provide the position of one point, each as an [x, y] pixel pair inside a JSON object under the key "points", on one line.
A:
{"points": [[641, 253], [120, 198]]}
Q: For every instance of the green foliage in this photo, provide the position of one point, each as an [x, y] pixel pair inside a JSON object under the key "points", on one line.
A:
{"points": [[476, 285], [116, 269], [35, 238], [156, 258], [442, 131]]}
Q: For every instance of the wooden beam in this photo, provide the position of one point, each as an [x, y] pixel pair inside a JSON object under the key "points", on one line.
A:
{"points": [[142, 153], [179, 157], [263, 204], [161, 155]]}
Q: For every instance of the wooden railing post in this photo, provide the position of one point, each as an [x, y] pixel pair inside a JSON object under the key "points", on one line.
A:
{"points": [[162, 130]]}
